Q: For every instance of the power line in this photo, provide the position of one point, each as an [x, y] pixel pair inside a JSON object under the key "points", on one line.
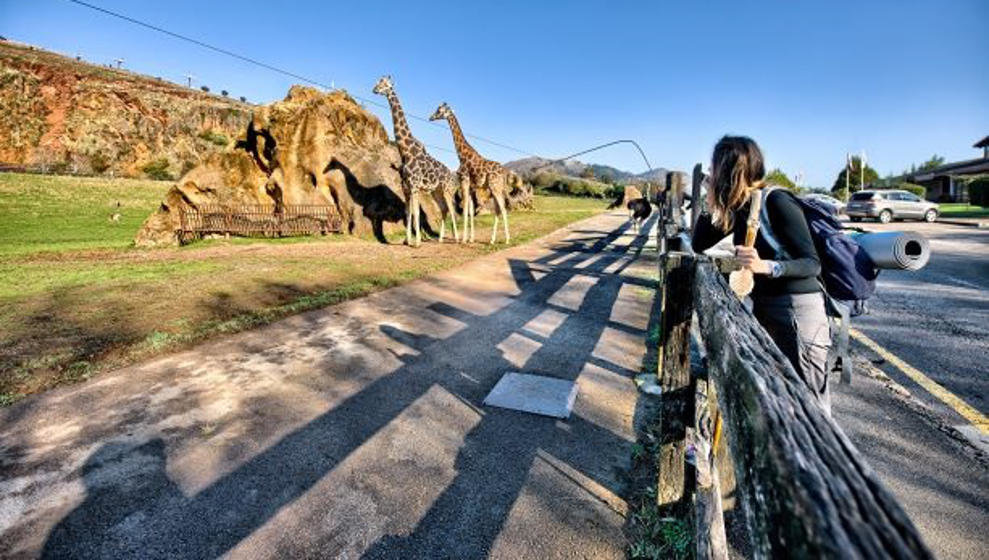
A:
{"points": [[278, 70], [596, 148]]}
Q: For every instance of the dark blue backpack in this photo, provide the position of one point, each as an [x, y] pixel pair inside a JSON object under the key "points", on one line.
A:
{"points": [[847, 271]]}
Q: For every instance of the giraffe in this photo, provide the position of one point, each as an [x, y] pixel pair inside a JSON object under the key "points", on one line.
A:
{"points": [[419, 171], [476, 173]]}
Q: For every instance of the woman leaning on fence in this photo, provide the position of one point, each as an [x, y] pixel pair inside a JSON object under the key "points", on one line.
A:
{"points": [[787, 298]]}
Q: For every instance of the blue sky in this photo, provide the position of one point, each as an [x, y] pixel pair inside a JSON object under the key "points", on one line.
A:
{"points": [[808, 80]]}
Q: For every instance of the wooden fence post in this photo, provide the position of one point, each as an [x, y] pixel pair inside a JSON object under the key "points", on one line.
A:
{"points": [[696, 202], [676, 404]]}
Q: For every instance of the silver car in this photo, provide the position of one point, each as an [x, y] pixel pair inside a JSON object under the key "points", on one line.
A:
{"points": [[887, 206], [836, 206]]}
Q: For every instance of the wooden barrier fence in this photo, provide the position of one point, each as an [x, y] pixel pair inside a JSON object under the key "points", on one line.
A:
{"points": [[258, 219], [805, 490]]}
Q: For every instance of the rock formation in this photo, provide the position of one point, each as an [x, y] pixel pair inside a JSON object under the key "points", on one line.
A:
{"points": [[310, 148], [61, 115]]}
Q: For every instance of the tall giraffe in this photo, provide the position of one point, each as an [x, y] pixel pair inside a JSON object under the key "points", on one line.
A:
{"points": [[476, 173], [420, 172]]}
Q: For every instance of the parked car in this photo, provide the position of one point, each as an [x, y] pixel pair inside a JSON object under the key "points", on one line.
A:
{"points": [[887, 206], [836, 206]]}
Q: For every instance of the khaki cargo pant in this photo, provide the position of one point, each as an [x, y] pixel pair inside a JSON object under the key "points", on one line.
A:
{"points": [[799, 326]]}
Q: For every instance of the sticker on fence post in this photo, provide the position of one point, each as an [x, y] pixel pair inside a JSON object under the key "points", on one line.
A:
{"points": [[536, 394]]}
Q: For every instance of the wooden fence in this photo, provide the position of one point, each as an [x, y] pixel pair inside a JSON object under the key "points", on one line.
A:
{"points": [[258, 219], [805, 490]]}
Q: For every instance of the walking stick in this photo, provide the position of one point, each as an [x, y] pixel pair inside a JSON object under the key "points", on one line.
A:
{"points": [[741, 281]]}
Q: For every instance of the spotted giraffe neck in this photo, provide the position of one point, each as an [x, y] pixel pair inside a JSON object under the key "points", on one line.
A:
{"points": [[465, 151], [403, 135]]}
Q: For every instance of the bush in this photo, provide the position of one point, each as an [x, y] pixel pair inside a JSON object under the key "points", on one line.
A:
{"points": [[978, 192], [98, 163], [918, 190], [157, 170], [214, 137]]}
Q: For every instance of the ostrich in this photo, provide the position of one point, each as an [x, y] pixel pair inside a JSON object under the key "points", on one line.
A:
{"points": [[638, 210]]}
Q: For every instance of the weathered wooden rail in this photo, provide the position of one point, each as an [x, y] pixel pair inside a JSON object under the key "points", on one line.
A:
{"points": [[805, 490], [258, 220]]}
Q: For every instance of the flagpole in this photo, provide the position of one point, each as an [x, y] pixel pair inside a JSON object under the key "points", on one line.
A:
{"points": [[848, 171], [862, 170]]}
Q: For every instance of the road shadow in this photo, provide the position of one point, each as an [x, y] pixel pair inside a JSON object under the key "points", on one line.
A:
{"points": [[132, 509]]}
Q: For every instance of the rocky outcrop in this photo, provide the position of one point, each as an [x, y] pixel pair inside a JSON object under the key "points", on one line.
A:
{"points": [[61, 115], [310, 148]]}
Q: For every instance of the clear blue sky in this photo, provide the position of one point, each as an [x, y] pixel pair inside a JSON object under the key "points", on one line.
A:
{"points": [[808, 80]]}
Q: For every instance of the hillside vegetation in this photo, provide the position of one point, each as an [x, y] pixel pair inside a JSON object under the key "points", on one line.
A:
{"points": [[61, 115], [76, 297], [553, 183]]}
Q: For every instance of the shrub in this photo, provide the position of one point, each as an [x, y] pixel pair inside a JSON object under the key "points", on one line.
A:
{"points": [[224, 93], [571, 186], [98, 163], [243, 99], [204, 88], [214, 137], [978, 192], [157, 170], [918, 190]]}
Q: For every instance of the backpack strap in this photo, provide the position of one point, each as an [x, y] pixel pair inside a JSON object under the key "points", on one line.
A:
{"points": [[765, 229]]}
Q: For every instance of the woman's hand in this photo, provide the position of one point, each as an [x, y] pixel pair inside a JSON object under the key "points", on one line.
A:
{"points": [[749, 258]]}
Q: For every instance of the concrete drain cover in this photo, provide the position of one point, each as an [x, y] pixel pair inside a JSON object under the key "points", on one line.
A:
{"points": [[537, 394]]}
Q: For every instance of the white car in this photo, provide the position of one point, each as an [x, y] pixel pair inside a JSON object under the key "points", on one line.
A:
{"points": [[831, 202]]}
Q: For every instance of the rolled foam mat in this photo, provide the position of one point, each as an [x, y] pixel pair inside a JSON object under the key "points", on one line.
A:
{"points": [[897, 250]]}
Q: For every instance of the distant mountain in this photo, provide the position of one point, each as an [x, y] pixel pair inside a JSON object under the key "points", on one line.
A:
{"points": [[573, 168]]}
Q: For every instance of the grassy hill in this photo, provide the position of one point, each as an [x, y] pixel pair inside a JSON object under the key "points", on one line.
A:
{"points": [[64, 115]]}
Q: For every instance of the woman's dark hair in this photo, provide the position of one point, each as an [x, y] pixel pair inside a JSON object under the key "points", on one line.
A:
{"points": [[736, 169]]}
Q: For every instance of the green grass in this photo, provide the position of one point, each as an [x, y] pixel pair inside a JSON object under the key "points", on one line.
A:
{"points": [[962, 210], [77, 298], [44, 213]]}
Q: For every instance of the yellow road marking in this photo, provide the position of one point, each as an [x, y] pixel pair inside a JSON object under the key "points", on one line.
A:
{"points": [[977, 419]]}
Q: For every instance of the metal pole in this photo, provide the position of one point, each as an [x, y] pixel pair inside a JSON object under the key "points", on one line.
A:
{"points": [[848, 171], [595, 148]]}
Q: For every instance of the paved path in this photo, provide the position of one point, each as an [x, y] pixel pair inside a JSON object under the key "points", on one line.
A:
{"points": [[358, 430]]}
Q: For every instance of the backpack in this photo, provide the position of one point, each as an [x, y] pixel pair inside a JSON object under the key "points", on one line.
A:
{"points": [[847, 272]]}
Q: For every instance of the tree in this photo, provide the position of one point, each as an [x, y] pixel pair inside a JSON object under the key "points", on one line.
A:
{"points": [[224, 93], [855, 178], [204, 88], [243, 99], [935, 161], [779, 178], [587, 172]]}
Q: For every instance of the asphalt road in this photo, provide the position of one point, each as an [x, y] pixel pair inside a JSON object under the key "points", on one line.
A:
{"points": [[936, 320]]}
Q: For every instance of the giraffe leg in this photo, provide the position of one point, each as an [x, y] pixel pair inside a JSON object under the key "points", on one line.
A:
{"points": [[452, 210], [501, 209], [494, 229], [442, 224], [408, 219], [504, 221], [418, 227], [473, 226]]}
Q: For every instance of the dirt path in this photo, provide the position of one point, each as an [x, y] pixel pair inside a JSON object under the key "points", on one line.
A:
{"points": [[357, 430]]}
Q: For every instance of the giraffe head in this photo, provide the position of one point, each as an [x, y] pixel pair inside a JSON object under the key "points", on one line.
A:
{"points": [[384, 86], [442, 112]]}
